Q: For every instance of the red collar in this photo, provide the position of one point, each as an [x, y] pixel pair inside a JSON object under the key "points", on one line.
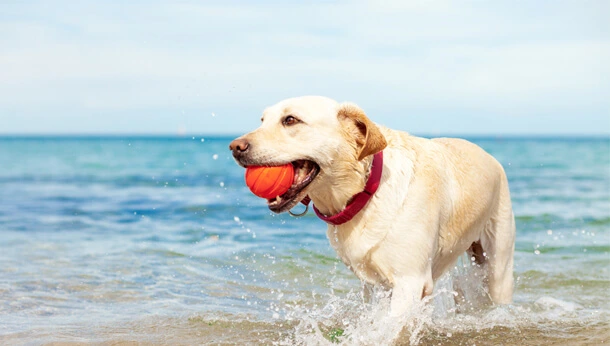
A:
{"points": [[359, 200]]}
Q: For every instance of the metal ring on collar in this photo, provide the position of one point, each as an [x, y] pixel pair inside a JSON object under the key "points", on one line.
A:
{"points": [[301, 214]]}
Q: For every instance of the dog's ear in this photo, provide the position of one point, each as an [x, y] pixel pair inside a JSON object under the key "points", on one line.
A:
{"points": [[369, 139]]}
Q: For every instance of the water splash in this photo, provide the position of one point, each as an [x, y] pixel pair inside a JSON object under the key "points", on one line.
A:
{"points": [[458, 311]]}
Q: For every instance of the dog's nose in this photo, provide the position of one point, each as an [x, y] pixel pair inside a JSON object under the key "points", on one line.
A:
{"points": [[239, 145]]}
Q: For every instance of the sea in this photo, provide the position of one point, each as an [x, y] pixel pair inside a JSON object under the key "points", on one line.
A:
{"points": [[137, 240]]}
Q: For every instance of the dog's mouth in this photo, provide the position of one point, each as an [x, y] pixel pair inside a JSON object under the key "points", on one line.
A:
{"points": [[305, 172]]}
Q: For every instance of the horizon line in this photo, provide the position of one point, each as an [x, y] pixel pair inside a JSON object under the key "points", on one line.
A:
{"points": [[118, 135]]}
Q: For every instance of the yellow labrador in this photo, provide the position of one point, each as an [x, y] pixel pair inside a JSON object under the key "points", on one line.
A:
{"points": [[437, 198]]}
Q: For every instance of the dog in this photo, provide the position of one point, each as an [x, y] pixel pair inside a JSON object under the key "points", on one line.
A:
{"points": [[434, 199]]}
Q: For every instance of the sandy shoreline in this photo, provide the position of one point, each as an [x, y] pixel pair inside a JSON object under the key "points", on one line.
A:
{"points": [[198, 330]]}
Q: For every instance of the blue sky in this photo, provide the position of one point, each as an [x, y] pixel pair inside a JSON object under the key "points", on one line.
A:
{"points": [[429, 67]]}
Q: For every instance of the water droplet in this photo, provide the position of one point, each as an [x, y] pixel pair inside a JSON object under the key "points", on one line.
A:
{"points": [[549, 232], [236, 219], [537, 252], [222, 184], [215, 156]]}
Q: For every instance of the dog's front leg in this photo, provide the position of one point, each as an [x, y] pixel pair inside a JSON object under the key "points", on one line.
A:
{"points": [[407, 291]]}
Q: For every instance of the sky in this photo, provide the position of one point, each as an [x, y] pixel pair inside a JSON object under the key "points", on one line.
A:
{"points": [[211, 67]]}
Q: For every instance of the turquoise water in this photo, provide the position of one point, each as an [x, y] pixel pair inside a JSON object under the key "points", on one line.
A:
{"points": [[158, 240]]}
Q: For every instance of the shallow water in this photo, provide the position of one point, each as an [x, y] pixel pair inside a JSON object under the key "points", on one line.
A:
{"points": [[157, 240]]}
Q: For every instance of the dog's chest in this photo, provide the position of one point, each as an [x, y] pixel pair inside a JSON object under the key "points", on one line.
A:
{"points": [[355, 251]]}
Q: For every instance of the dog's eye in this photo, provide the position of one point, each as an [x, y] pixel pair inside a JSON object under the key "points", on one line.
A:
{"points": [[290, 120]]}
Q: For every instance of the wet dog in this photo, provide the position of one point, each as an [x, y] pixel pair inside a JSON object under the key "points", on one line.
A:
{"points": [[436, 198]]}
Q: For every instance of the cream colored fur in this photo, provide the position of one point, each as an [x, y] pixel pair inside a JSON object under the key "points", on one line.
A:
{"points": [[436, 198]]}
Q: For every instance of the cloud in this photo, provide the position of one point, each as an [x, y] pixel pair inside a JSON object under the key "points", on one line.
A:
{"points": [[393, 56]]}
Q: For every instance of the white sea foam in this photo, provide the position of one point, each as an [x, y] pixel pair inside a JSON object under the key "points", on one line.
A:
{"points": [[553, 304]]}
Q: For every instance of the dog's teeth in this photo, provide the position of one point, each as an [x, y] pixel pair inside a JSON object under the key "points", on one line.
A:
{"points": [[278, 199]]}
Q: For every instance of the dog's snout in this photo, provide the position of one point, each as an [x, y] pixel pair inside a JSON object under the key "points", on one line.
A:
{"points": [[239, 145]]}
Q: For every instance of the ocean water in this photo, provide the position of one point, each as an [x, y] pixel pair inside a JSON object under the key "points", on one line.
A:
{"points": [[158, 241]]}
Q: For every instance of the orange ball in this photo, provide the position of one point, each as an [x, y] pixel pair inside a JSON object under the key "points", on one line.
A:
{"points": [[269, 182]]}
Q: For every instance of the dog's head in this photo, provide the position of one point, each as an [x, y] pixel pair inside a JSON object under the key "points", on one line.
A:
{"points": [[319, 136]]}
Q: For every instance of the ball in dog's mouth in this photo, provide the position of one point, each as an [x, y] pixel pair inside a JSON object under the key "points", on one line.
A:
{"points": [[305, 172]]}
